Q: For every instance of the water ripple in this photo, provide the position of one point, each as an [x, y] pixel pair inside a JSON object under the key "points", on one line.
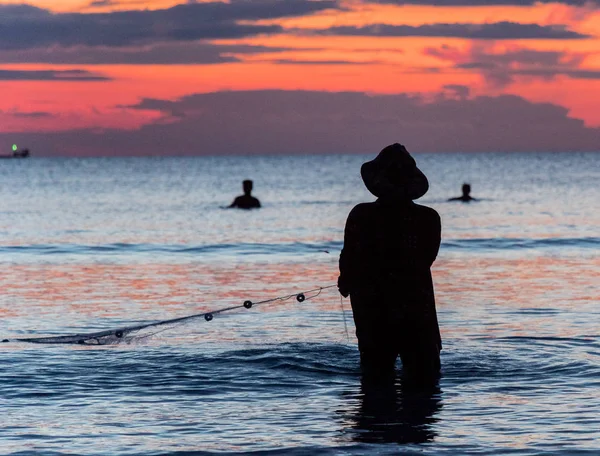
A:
{"points": [[287, 248]]}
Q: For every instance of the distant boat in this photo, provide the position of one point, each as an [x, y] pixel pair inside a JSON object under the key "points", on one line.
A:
{"points": [[21, 153]]}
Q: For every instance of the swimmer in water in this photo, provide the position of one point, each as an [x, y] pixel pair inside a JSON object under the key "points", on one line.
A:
{"points": [[466, 195], [246, 201]]}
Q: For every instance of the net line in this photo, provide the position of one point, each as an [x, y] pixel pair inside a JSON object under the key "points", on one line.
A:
{"points": [[128, 333]]}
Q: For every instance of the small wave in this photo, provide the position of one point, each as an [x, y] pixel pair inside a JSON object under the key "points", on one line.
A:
{"points": [[267, 368], [287, 248], [520, 243], [290, 248], [583, 340]]}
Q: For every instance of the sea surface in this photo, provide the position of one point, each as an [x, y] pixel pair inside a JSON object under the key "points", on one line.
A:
{"points": [[95, 244]]}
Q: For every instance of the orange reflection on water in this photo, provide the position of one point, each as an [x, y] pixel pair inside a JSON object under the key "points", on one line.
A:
{"points": [[114, 290], [490, 297], [537, 295]]}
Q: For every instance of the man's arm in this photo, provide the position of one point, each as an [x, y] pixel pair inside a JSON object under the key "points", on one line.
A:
{"points": [[349, 257], [434, 236], [233, 204]]}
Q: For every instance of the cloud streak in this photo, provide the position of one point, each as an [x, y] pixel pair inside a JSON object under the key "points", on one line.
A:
{"points": [[483, 3], [501, 67], [158, 54], [26, 27], [321, 62], [50, 75], [28, 115], [491, 31]]}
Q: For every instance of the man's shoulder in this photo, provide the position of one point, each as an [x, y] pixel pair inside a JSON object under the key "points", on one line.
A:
{"points": [[362, 210], [239, 200], [426, 211]]}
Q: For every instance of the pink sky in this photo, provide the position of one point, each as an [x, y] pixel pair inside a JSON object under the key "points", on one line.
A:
{"points": [[112, 78]]}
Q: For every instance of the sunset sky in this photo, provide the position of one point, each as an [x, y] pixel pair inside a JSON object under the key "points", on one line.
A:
{"points": [[140, 77]]}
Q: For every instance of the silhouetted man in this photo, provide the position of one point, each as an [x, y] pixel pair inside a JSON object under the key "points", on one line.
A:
{"points": [[246, 201], [389, 247], [466, 197]]}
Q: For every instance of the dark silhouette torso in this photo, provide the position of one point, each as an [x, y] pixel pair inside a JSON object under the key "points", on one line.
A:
{"points": [[246, 202], [389, 247]]}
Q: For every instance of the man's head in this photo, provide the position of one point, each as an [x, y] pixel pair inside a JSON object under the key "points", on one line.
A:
{"points": [[466, 189], [247, 186], [394, 174]]}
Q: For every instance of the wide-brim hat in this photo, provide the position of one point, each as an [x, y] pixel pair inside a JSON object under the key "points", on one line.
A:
{"points": [[394, 174]]}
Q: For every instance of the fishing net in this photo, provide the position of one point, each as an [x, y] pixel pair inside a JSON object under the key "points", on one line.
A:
{"points": [[130, 333]]}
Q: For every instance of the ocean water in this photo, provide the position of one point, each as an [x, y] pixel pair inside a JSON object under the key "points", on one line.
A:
{"points": [[89, 245]]}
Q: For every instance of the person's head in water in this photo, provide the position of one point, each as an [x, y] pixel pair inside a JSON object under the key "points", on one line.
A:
{"points": [[247, 186], [393, 174], [466, 190]]}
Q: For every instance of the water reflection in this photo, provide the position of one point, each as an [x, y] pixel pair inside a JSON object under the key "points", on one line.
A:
{"points": [[393, 412]]}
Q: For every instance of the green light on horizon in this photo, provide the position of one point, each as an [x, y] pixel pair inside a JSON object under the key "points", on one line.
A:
{"points": [[14, 147]]}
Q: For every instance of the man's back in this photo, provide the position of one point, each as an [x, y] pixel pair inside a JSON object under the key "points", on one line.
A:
{"points": [[382, 238]]}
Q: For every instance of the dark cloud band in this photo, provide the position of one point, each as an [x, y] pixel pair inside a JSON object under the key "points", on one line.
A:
{"points": [[490, 31], [159, 54], [286, 122], [26, 27], [50, 75], [580, 3]]}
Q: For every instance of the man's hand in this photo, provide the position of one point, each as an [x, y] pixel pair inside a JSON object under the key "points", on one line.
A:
{"points": [[342, 288]]}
